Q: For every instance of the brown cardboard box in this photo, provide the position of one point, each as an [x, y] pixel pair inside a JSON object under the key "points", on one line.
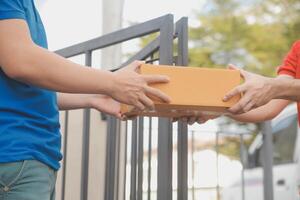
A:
{"points": [[191, 89]]}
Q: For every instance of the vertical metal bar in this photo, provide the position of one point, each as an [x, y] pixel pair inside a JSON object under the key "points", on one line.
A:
{"points": [[164, 168], [182, 32], [193, 165], [242, 153], [268, 160], [182, 161], [133, 161], [85, 154], [110, 158], [140, 158], [117, 161], [182, 59], [149, 157], [217, 165], [166, 41], [149, 151], [124, 171], [65, 152], [85, 142]]}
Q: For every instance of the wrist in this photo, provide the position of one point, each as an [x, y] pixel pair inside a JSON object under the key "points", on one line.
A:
{"points": [[112, 83], [106, 82], [274, 87], [277, 85], [85, 100], [90, 103], [94, 99]]}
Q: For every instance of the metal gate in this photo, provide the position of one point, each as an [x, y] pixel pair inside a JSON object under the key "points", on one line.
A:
{"points": [[170, 48]]}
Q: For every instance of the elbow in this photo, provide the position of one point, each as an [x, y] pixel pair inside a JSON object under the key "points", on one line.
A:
{"points": [[16, 72], [12, 72], [18, 67]]}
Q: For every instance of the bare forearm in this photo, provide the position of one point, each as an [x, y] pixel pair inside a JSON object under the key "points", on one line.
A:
{"points": [[102, 103], [68, 101], [263, 113], [23, 60], [288, 89], [48, 70]]}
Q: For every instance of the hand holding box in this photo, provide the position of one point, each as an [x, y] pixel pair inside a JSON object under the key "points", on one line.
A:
{"points": [[191, 90]]}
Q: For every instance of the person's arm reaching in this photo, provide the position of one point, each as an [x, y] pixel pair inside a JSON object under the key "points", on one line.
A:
{"points": [[263, 113], [68, 101], [99, 102], [259, 90], [22, 60], [287, 89]]}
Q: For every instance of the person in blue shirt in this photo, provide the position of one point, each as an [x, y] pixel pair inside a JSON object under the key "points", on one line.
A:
{"points": [[34, 85]]}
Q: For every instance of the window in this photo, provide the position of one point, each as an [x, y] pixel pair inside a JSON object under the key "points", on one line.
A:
{"points": [[284, 141]]}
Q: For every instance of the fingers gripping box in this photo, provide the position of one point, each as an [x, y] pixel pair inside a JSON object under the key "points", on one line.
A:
{"points": [[192, 90]]}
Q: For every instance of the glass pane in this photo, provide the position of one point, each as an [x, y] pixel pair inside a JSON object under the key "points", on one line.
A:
{"points": [[284, 139]]}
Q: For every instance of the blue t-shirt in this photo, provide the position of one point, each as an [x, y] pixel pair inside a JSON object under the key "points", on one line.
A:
{"points": [[29, 118]]}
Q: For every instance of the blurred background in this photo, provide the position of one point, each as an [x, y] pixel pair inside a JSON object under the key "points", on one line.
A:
{"points": [[253, 34]]}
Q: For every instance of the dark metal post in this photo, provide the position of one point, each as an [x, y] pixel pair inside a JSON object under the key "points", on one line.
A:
{"points": [[85, 142], [126, 156], [268, 160], [217, 165], [149, 158], [242, 156], [182, 59], [140, 158], [116, 175], [164, 157], [65, 152], [193, 164], [133, 161], [150, 151], [182, 161], [110, 158], [165, 142], [182, 32]]}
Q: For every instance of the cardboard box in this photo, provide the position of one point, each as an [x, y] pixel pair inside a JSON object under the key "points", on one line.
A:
{"points": [[192, 90]]}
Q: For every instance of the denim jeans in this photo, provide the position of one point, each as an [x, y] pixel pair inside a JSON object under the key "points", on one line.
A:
{"points": [[27, 180]]}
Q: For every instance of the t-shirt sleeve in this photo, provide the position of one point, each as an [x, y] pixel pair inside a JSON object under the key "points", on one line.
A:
{"points": [[11, 9], [289, 65]]}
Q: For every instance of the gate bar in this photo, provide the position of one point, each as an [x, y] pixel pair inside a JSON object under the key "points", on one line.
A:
{"points": [[165, 142], [85, 142], [181, 30], [268, 161]]}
